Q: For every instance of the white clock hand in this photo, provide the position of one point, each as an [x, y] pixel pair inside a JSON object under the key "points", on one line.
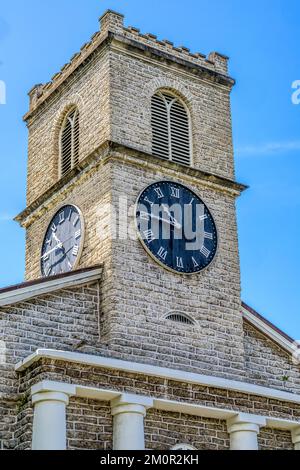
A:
{"points": [[56, 238], [170, 222], [175, 222], [59, 245]]}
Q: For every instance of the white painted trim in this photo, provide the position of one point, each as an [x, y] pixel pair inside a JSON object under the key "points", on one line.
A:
{"points": [[45, 287], [268, 331], [155, 371], [101, 394]]}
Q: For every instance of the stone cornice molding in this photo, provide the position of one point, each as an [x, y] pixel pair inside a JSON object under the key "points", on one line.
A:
{"points": [[156, 371]]}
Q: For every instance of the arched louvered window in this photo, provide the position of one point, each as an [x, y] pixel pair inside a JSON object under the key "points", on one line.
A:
{"points": [[171, 133], [69, 142], [179, 317]]}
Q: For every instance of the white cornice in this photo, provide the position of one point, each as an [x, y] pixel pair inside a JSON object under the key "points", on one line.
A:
{"points": [[161, 404], [21, 294], [155, 371]]}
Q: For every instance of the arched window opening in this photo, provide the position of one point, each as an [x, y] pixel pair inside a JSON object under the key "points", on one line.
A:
{"points": [[171, 133], [69, 142]]}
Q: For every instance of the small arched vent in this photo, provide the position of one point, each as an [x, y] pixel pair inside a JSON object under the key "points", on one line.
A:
{"points": [[69, 142], [183, 447], [179, 317], [170, 128]]}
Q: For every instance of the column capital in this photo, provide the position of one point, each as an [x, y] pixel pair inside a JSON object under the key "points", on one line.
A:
{"points": [[243, 429], [130, 403], [296, 435], [128, 412], [50, 396], [245, 422]]}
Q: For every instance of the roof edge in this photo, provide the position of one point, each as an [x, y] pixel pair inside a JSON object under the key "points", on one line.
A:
{"points": [[268, 329], [30, 289]]}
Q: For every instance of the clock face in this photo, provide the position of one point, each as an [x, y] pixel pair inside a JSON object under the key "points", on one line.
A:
{"points": [[175, 227], [63, 242]]}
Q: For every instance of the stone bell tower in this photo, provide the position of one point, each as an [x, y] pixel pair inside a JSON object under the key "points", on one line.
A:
{"points": [[111, 82]]}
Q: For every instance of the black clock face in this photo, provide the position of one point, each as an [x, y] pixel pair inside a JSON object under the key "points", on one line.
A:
{"points": [[63, 242], [175, 227]]}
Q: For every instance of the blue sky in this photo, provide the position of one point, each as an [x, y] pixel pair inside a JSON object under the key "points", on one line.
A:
{"points": [[262, 38]]}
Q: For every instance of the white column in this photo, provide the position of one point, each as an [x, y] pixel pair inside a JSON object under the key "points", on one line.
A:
{"points": [[49, 421], [296, 438], [243, 430], [128, 421]]}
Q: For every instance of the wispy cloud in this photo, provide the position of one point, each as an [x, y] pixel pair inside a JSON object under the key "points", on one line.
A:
{"points": [[268, 148]]}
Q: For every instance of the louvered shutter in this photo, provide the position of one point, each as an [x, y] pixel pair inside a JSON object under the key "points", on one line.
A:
{"points": [[180, 133], [170, 128], [160, 127], [70, 142]]}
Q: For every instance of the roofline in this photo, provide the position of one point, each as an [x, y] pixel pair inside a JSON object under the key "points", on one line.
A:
{"points": [[268, 328], [106, 40], [28, 290]]}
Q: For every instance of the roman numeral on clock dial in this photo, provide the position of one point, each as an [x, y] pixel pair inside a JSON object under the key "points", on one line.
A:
{"points": [[61, 217], [149, 235], [208, 235], [144, 215], [146, 199], [205, 251], [179, 262], [77, 234], [75, 250], [76, 220], [175, 192], [48, 269], [162, 253], [159, 193]]}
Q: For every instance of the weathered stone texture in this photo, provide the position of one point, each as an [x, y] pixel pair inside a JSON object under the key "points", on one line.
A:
{"points": [[44, 127], [163, 430], [156, 387], [274, 439], [267, 364], [134, 81], [89, 425]]}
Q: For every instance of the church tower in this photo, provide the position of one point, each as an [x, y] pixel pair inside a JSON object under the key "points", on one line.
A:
{"points": [[98, 136], [129, 332]]}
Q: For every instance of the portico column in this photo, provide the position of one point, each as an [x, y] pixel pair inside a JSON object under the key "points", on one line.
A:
{"points": [[49, 421], [296, 438], [128, 421], [243, 430]]}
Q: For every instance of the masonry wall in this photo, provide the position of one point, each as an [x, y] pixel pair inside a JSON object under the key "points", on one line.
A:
{"points": [[274, 439], [135, 78], [91, 420], [68, 320], [163, 430], [89, 425], [113, 90], [88, 89], [267, 364], [91, 192], [145, 292]]}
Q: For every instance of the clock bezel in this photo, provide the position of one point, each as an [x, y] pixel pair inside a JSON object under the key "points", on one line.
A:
{"points": [[80, 213], [144, 245]]}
